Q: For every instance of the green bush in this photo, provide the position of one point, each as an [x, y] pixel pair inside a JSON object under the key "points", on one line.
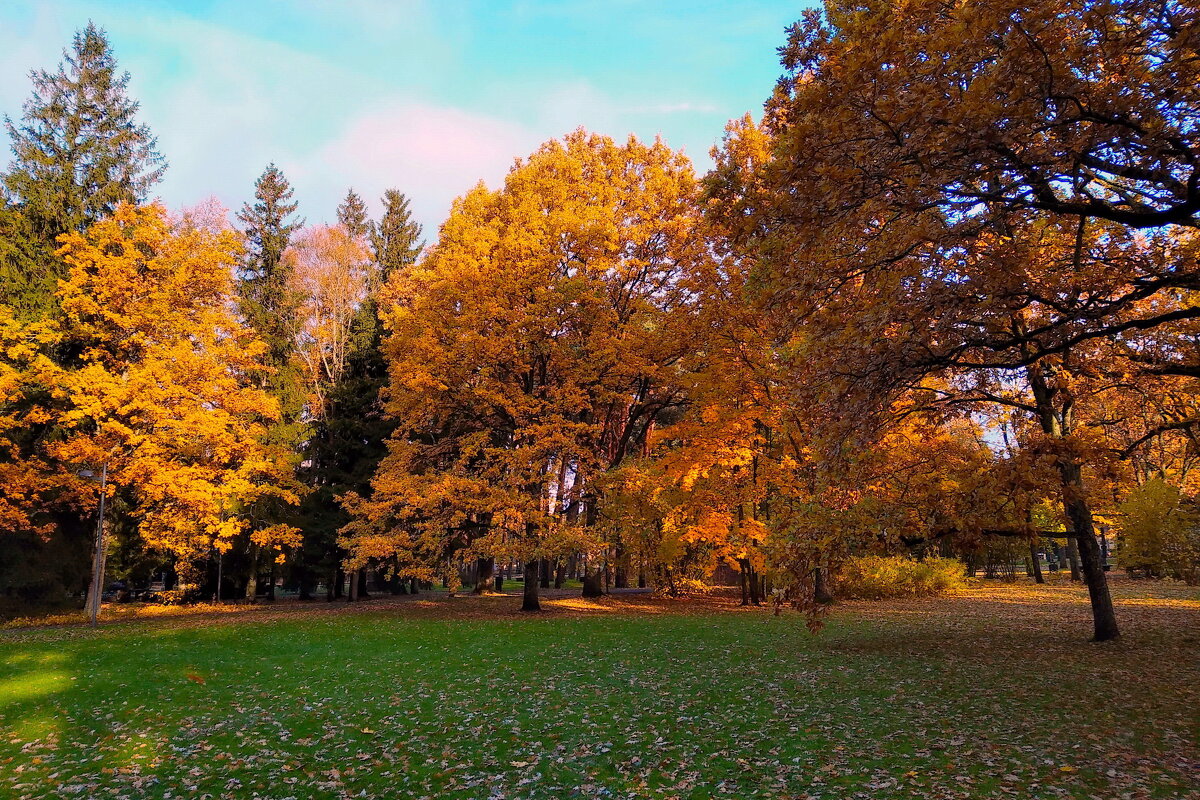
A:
{"points": [[880, 577]]}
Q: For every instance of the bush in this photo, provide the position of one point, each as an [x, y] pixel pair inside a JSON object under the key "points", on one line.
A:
{"points": [[880, 577]]}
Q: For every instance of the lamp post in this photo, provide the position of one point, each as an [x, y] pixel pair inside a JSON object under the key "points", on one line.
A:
{"points": [[98, 559]]}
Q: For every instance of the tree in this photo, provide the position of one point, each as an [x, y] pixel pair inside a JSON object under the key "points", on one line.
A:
{"points": [[263, 277], [160, 392], [531, 351], [966, 196], [328, 270], [270, 306], [352, 215], [78, 149], [396, 240], [348, 439]]}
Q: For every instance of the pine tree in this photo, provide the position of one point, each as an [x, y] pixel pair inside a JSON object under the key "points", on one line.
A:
{"points": [[352, 214], [396, 240], [78, 149]]}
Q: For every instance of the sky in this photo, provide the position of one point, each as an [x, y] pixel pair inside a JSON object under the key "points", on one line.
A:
{"points": [[426, 96]]}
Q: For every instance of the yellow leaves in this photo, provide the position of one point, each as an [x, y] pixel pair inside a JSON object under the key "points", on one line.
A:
{"points": [[162, 390]]}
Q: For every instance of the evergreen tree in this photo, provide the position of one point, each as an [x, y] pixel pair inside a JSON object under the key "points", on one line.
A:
{"points": [[352, 215], [264, 277], [349, 441], [269, 305], [78, 149], [29, 270], [396, 240]]}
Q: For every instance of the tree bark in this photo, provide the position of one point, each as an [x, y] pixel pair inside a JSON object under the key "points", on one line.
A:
{"points": [[1037, 564], [821, 592], [1057, 424], [744, 570], [544, 573], [592, 585], [485, 572], [529, 601], [353, 595], [560, 573]]}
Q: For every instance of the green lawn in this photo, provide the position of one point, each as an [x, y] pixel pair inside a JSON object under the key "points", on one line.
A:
{"points": [[948, 698]]}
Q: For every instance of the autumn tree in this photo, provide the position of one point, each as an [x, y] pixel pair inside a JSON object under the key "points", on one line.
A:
{"points": [[969, 193], [531, 351], [160, 391]]}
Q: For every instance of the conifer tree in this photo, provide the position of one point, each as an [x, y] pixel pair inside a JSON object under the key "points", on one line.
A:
{"points": [[352, 215], [396, 240], [269, 305], [78, 148], [263, 279]]}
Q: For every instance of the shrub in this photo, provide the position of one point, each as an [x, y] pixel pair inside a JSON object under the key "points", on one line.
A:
{"points": [[880, 577]]}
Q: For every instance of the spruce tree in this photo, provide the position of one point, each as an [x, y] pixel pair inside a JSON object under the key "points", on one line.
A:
{"points": [[352, 215], [263, 279], [269, 305], [78, 149], [349, 442], [396, 240]]}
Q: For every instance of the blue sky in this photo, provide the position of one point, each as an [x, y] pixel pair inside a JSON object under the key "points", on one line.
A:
{"points": [[425, 96]]}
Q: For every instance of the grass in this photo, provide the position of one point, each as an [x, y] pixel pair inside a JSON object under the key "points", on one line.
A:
{"points": [[993, 693]]}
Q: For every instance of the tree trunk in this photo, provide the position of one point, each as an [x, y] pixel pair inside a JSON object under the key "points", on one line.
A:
{"points": [[485, 571], [1057, 424], [1073, 559], [821, 592], [560, 573], [529, 601], [271, 585], [354, 586], [544, 573], [413, 585], [252, 580], [755, 588], [592, 585], [1037, 564], [744, 570], [1103, 616]]}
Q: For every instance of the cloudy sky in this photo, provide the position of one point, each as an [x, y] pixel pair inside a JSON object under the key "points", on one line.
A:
{"points": [[428, 96]]}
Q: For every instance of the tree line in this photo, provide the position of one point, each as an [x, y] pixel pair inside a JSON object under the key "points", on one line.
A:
{"points": [[938, 299]]}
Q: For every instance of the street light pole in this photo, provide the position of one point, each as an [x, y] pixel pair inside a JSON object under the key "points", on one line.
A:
{"points": [[97, 587]]}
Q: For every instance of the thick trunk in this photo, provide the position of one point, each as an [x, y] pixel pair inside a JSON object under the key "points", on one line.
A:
{"points": [[485, 576], [592, 585], [529, 600], [1037, 564], [413, 586], [744, 571], [755, 587], [821, 592], [354, 585], [362, 584], [544, 573], [560, 574], [339, 583]]}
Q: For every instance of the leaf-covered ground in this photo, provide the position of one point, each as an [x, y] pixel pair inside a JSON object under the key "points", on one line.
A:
{"points": [[995, 693]]}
